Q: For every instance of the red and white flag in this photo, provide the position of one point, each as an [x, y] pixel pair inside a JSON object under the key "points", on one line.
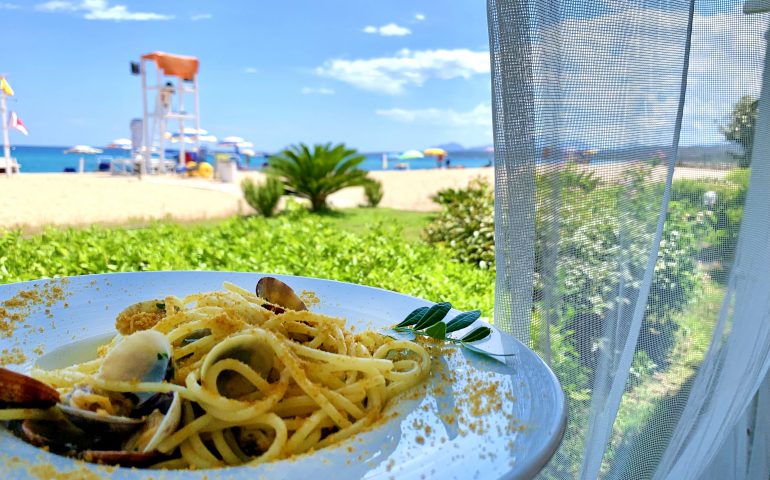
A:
{"points": [[15, 122]]}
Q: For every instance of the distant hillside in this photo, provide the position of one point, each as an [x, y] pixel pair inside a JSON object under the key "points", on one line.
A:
{"points": [[451, 147]]}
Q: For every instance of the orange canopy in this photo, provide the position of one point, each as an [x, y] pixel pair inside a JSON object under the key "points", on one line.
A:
{"points": [[176, 65]]}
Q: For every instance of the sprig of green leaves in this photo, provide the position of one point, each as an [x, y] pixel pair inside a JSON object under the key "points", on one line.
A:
{"points": [[427, 321]]}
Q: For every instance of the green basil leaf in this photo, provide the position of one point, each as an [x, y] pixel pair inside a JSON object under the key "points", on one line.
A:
{"points": [[463, 320], [413, 317], [433, 315], [437, 331], [476, 335], [160, 306]]}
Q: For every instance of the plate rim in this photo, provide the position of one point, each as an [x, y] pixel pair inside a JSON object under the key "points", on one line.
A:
{"points": [[540, 458]]}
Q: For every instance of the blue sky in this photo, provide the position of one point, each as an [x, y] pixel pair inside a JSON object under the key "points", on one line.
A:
{"points": [[379, 75], [273, 72]]}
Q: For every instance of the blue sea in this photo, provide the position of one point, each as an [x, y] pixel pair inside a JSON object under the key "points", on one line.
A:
{"points": [[54, 160]]}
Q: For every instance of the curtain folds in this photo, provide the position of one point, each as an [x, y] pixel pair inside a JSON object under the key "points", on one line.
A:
{"points": [[622, 267]]}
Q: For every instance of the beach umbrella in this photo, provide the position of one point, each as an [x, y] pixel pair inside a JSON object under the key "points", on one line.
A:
{"points": [[83, 150], [122, 143], [437, 152], [189, 134], [410, 155], [232, 140]]}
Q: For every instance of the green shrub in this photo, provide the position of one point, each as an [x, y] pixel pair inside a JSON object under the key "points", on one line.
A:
{"points": [[297, 244], [373, 192], [263, 198], [569, 176], [466, 224], [315, 174], [723, 219], [598, 226]]}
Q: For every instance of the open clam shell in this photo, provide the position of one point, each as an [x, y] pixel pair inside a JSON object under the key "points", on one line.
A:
{"points": [[278, 294], [140, 357], [100, 423], [140, 316], [157, 428], [19, 390]]}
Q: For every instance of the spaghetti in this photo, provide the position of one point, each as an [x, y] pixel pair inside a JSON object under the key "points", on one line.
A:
{"points": [[246, 385]]}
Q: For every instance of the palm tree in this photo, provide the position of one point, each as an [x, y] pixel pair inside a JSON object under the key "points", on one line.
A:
{"points": [[315, 174]]}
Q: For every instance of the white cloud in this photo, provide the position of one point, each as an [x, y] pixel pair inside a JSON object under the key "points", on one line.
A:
{"points": [[389, 30], [250, 70], [391, 75], [319, 91], [56, 6], [419, 17], [481, 115], [607, 86], [201, 16], [100, 10], [8, 6]]}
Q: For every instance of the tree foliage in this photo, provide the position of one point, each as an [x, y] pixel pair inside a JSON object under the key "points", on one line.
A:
{"points": [[316, 173], [741, 127]]}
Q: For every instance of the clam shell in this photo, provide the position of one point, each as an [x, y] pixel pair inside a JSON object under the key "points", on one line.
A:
{"points": [[58, 435], [122, 457], [140, 357], [20, 390], [278, 293], [149, 437], [101, 424]]}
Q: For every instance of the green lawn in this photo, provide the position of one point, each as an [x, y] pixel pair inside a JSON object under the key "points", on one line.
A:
{"points": [[360, 220], [369, 247]]}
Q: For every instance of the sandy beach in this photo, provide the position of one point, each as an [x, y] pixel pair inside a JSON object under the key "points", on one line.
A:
{"points": [[32, 201]]}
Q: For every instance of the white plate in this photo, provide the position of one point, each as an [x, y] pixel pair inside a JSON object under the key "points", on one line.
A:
{"points": [[509, 434]]}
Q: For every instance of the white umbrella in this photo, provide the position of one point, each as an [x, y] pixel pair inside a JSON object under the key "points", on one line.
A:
{"points": [[193, 131], [83, 150], [232, 140], [122, 143]]}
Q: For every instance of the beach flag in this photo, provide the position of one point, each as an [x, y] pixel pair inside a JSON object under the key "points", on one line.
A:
{"points": [[5, 87], [15, 122]]}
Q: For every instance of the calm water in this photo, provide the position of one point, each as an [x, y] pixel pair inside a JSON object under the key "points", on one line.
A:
{"points": [[53, 160]]}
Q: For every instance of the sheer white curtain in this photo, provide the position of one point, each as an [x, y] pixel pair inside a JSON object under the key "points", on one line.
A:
{"points": [[622, 278]]}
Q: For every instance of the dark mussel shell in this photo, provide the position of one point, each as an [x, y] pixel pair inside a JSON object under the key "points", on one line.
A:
{"points": [[280, 297], [18, 390]]}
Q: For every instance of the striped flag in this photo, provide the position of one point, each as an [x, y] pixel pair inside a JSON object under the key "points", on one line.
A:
{"points": [[15, 122]]}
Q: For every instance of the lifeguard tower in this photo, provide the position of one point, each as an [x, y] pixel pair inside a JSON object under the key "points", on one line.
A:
{"points": [[176, 78]]}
